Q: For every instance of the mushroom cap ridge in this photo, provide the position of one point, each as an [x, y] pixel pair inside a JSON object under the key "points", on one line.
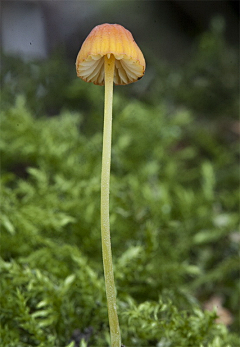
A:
{"points": [[106, 39]]}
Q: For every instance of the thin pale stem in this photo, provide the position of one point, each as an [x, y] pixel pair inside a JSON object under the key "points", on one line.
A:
{"points": [[109, 64]]}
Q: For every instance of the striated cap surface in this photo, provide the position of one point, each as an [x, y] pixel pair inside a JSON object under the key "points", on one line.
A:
{"points": [[107, 39]]}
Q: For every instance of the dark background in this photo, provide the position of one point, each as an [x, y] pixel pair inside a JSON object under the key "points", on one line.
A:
{"points": [[33, 29]]}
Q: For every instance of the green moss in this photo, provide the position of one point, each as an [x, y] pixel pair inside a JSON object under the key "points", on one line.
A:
{"points": [[173, 213]]}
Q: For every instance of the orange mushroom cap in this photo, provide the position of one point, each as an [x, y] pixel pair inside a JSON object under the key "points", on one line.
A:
{"points": [[109, 39]]}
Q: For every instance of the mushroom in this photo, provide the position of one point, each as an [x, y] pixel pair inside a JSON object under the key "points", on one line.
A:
{"points": [[109, 54]]}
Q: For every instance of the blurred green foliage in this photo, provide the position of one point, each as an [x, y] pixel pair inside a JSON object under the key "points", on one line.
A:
{"points": [[174, 204]]}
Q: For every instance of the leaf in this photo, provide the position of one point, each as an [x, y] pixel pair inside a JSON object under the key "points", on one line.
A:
{"points": [[8, 225]]}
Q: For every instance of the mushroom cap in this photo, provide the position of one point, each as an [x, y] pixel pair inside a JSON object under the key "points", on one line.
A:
{"points": [[106, 39]]}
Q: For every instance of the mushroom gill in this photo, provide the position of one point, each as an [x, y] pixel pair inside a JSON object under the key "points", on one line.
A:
{"points": [[126, 70]]}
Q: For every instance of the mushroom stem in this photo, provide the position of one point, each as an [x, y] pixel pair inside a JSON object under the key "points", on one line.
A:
{"points": [[109, 64]]}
